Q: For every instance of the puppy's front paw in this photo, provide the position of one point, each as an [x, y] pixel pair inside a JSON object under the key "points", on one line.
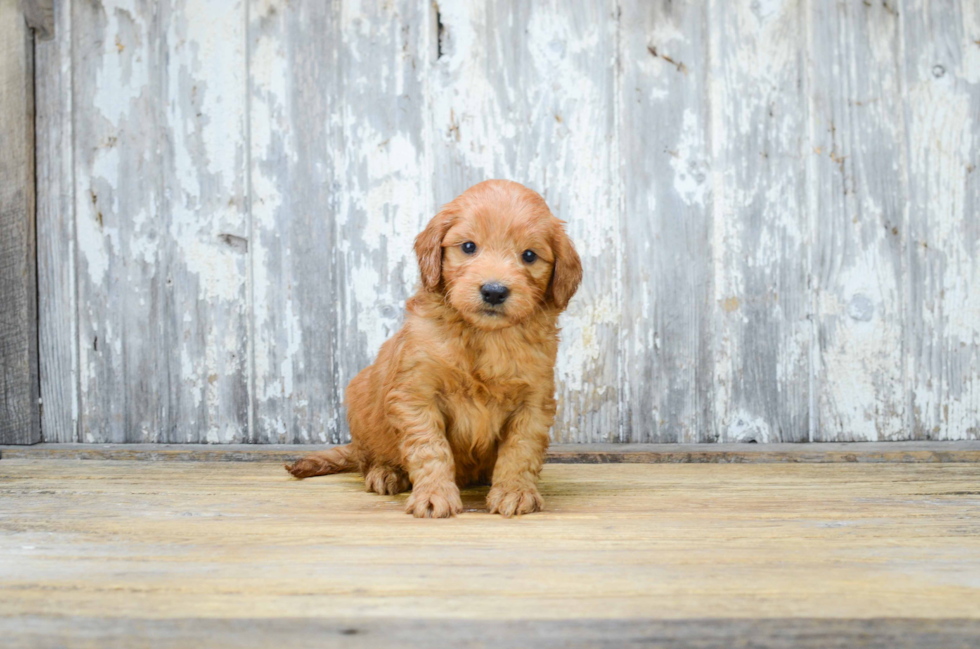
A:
{"points": [[434, 500], [508, 499], [386, 481]]}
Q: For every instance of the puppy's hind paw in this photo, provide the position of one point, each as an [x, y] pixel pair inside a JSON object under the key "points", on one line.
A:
{"points": [[434, 501], [514, 499]]}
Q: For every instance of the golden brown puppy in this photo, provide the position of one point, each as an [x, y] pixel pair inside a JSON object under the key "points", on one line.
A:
{"points": [[464, 392]]}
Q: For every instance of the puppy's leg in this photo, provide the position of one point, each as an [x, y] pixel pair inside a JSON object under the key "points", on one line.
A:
{"points": [[520, 457], [427, 456]]}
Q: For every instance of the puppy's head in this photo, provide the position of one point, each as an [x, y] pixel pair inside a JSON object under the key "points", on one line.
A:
{"points": [[498, 255]]}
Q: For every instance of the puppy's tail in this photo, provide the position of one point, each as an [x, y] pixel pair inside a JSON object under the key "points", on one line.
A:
{"points": [[339, 459]]}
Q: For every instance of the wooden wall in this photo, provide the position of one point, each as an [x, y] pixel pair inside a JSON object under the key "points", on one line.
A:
{"points": [[19, 406], [776, 202]]}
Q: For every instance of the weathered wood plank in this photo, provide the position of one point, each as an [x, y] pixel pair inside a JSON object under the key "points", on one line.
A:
{"points": [[181, 539], [126, 365], [668, 300], [160, 222], [19, 410], [942, 106], [760, 228], [57, 307], [528, 92], [615, 453], [204, 212], [43, 632], [296, 164], [858, 196]]}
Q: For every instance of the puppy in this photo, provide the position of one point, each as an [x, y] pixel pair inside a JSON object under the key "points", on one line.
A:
{"points": [[464, 392]]}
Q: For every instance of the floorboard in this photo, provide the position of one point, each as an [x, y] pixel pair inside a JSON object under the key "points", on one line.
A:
{"points": [[367, 633], [132, 553]]}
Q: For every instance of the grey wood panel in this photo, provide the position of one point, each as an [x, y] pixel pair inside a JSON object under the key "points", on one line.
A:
{"points": [[775, 204], [760, 228], [160, 218], [858, 196], [19, 414], [667, 283], [50, 632], [203, 202], [126, 363], [527, 92], [295, 174], [942, 86], [57, 308]]}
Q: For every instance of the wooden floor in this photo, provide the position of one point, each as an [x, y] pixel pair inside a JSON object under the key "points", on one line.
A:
{"points": [[106, 553]]}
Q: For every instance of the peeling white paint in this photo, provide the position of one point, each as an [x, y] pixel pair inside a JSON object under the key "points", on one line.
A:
{"points": [[943, 103], [746, 428], [689, 172], [749, 289], [124, 61]]}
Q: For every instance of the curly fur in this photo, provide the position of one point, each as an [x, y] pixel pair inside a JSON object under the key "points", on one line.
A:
{"points": [[464, 392]]}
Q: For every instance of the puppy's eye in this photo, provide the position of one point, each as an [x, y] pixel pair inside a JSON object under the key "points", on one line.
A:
{"points": [[529, 256], [469, 247]]}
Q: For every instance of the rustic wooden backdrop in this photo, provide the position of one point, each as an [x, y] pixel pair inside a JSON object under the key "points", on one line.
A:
{"points": [[776, 202]]}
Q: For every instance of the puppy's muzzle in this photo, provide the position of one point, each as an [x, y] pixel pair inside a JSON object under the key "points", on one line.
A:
{"points": [[494, 293]]}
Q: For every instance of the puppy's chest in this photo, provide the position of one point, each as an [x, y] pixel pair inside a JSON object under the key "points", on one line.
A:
{"points": [[486, 391], [493, 376]]}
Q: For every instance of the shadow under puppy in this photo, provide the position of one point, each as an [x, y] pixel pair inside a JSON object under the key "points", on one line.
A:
{"points": [[464, 392]]}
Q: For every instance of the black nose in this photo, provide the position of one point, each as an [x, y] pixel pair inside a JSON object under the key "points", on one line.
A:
{"points": [[494, 293]]}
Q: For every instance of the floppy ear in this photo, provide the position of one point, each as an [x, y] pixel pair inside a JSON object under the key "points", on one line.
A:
{"points": [[428, 248], [567, 273]]}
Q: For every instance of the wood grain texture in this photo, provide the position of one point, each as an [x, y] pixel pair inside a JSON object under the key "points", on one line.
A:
{"points": [[774, 201], [760, 228], [858, 199], [160, 217], [56, 243], [41, 632], [123, 541], [126, 362], [667, 345], [19, 392], [204, 207], [942, 77], [296, 144]]}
